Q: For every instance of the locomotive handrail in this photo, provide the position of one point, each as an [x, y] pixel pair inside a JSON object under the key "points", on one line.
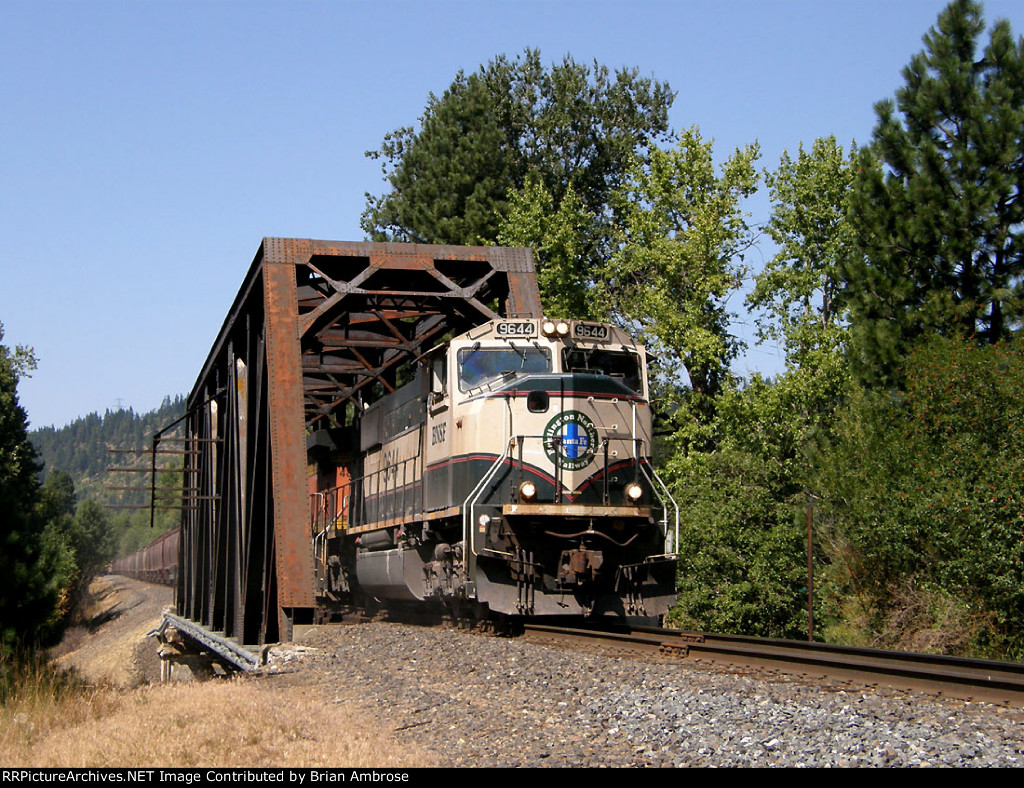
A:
{"points": [[320, 534], [385, 500], [670, 544], [471, 499]]}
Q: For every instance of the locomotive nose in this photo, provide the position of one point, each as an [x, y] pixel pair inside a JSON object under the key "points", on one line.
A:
{"points": [[592, 438]]}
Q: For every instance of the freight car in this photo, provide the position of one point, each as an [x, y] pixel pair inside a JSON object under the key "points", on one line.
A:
{"points": [[512, 475], [157, 562]]}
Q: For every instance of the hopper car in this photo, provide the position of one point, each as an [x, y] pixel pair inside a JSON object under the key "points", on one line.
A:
{"points": [[157, 562]]}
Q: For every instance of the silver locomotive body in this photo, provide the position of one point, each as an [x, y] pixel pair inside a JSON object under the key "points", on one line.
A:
{"points": [[514, 472]]}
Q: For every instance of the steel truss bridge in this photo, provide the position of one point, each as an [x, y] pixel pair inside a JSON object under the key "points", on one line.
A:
{"points": [[317, 331]]}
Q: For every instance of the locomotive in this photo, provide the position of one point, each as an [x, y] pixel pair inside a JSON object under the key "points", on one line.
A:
{"points": [[512, 474]]}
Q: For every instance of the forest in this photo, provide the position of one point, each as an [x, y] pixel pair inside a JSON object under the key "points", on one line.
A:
{"points": [[60, 526], [885, 455]]}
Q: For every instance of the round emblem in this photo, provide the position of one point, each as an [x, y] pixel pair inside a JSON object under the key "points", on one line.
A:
{"points": [[570, 440]]}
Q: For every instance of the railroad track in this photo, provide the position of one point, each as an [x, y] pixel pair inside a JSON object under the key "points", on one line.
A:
{"points": [[954, 677]]}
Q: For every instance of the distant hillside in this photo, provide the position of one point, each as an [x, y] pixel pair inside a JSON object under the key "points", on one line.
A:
{"points": [[81, 448]]}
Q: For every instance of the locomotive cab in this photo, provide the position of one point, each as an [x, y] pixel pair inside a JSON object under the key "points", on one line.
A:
{"points": [[515, 473]]}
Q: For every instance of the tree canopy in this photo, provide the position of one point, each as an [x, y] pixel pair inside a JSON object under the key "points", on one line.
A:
{"points": [[683, 237], [799, 288], [559, 139]]}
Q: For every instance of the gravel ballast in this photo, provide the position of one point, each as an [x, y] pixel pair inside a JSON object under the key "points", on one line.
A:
{"points": [[500, 702]]}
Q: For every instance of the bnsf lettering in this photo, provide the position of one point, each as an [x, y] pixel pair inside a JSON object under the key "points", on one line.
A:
{"points": [[515, 329], [437, 434], [591, 332]]}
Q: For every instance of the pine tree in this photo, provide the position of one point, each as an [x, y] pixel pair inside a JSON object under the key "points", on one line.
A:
{"points": [[28, 597], [936, 209]]}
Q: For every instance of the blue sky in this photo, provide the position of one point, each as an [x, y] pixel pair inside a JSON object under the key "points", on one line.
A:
{"points": [[147, 147]]}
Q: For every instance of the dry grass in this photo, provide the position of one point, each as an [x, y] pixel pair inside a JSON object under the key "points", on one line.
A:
{"points": [[930, 621], [914, 619], [48, 718], [219, 723], [36, 698]]}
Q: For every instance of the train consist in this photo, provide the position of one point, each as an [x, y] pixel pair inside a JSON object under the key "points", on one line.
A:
{"points": [[155, 563], [398, 424], [512, 473]]}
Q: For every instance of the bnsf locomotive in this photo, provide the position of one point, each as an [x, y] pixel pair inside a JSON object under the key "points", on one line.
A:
{"points": [[512, 474]]}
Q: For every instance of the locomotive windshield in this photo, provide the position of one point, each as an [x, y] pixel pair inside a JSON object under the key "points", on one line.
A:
{"points": [[477, 365], [623, 365]]}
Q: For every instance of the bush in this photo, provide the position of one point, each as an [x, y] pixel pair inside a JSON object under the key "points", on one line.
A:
{"points": [[923, 489]]}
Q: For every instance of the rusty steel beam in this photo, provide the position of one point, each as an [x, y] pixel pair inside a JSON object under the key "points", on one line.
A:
{"points": [[294, 559], [318, 329]]}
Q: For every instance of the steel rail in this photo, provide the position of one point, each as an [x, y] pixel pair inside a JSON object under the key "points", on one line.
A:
{"points": [[964, 678]]}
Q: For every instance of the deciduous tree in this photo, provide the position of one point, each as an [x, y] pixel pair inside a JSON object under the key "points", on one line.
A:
{"points": [[560, 236], [684, 236], [799, 289]]}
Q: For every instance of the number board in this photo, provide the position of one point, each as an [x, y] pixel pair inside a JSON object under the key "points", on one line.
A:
{"points": [[517, 329], [590, 331]]}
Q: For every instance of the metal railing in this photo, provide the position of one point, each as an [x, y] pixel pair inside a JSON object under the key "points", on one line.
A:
{"points": [[391, 493], [474, 496], [395, 493], [671, 536]]}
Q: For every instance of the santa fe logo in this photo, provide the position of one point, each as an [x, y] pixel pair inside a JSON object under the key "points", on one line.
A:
{"points": [[570, 440]]}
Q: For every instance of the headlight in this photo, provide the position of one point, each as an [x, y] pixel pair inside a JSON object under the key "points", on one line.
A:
{"points": [[562, 329], [634, 491], [527, 491], [547, 328]]}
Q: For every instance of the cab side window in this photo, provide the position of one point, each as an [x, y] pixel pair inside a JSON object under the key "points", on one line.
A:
{"points": [[439, 374]]}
